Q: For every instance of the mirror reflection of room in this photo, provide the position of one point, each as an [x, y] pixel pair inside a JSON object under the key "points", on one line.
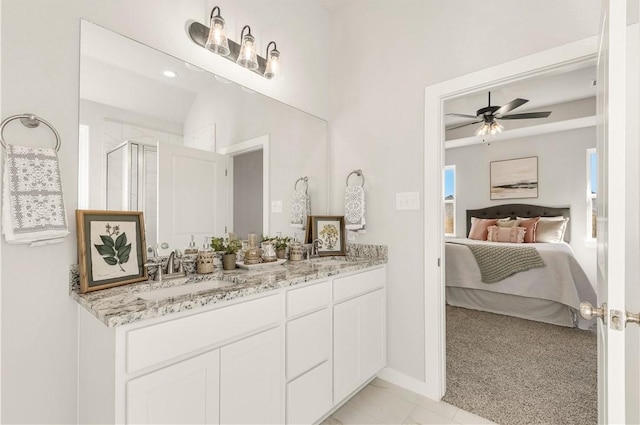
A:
{"points": [[153, 128]]}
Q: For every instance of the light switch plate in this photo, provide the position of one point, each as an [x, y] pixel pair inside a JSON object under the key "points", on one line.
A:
{"points": [[407, 201], [276, 206]]}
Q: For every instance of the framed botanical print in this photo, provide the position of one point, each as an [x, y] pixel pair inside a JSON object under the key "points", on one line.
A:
{"points": [[329, 230], [111, 248]]}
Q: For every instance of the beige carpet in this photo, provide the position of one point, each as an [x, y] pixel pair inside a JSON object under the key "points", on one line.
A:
{"points": [[515, 371]]}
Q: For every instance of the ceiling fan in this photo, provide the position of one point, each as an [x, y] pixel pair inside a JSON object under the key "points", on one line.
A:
{"points": [[489, 114]]}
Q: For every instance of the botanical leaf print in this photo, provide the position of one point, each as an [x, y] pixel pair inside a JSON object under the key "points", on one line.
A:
{"points": [[114, 253]]}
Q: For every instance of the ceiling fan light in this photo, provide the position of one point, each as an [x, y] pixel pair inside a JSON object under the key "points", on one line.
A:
{"points": [[495, 128], [483, 130]]}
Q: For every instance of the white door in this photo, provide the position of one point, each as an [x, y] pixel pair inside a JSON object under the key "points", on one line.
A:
{"points": [[191, 195], [612, 215], [184, 393], [251, 378]]}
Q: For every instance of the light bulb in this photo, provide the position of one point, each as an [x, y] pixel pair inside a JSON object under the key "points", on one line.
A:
{"points": [[217, 41], [247, 57]]}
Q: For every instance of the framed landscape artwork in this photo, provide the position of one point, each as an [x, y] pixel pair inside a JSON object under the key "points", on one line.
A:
{"points": [[514, 178], [111, 248]]}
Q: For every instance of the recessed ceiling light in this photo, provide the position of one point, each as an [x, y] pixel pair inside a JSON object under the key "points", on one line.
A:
{"points": [[169, 74]]}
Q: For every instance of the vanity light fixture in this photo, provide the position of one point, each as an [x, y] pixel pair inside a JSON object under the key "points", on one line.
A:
{"points": [[244, 54], [247, 56], [217, 41], [272, 69]]}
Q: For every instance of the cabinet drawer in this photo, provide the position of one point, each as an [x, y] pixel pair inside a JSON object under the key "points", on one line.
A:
{"points": [[309, 298], [308, 342], [355, 284], [309, 396], [164, 341]]}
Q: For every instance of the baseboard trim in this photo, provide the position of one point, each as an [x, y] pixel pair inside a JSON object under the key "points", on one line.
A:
{"points": [[406, 382]]}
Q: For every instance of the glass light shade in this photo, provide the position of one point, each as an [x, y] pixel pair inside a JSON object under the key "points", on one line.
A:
{"points": [[483, 130], [495, 128], [247, 57], [217, 41], [273, 69], [489, 128]]}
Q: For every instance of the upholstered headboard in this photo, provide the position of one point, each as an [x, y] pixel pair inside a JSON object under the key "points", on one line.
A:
{"points": [[521, 210]]}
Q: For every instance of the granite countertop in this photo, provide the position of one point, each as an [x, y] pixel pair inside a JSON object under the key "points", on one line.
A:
{"points": [[121, 305]]}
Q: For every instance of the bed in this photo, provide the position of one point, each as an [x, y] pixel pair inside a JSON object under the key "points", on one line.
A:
{"points": [[550, 294]]}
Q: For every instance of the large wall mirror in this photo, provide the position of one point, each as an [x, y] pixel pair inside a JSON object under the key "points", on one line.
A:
{"points": [[197, 154]]}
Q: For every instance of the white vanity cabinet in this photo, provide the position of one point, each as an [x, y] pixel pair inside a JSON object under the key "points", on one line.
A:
{"points": [[187, 392], [289, 356], [308, 353], [358, 330]]}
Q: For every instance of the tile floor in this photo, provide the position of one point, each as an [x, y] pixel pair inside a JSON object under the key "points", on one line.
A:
{"points": [[381, 402]]}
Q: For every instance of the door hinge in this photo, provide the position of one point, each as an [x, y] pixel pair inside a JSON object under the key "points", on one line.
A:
{"points": [[438, 262], [225, 229], [225, 172]]}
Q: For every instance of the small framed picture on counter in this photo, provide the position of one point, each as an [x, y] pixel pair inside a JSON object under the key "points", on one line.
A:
{"points": [[111, 248], [330, 230]]}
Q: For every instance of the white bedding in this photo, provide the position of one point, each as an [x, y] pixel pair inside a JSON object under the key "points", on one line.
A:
{"points": [[562, 280]]}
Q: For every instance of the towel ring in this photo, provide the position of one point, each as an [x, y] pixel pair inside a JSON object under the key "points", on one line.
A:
{"points": [[29, 121], [305, 180], [357, 173]]}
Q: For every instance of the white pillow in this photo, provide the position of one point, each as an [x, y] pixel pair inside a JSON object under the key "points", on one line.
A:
{"points": [[551, 229]]}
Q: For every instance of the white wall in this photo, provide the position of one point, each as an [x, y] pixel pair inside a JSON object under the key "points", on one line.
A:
{"points": [[562, 174], [298, 143], [40, 72], [385, 54]]}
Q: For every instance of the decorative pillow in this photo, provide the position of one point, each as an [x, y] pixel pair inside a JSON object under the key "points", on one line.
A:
{"points": [[551, 229], [506, 234], [479, 228], [530, 224], [507, 223]]}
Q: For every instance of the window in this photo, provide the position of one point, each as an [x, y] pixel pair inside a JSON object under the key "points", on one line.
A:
{"points": [[450, 200], [592, 191]]}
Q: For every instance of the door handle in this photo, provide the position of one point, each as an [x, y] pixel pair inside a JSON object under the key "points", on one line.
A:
{"points": [[632, 318], [588, 311]]}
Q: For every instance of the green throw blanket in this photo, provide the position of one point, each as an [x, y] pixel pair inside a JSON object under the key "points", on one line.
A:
{"points": [[498, 262]]}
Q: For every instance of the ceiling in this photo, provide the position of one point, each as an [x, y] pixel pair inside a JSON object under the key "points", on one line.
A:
{"points": [[541, 92], [568, 95]]}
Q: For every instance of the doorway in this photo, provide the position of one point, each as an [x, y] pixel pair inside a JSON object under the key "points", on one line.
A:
{"points": [[248, 186], [561, 59]]}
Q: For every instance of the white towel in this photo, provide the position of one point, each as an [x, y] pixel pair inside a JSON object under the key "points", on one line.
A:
{"points": [[354, 208], [32, 203], [300, 209]]}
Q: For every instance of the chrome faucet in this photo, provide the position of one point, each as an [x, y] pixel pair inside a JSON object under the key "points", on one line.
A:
{"points": [[315, 247]]}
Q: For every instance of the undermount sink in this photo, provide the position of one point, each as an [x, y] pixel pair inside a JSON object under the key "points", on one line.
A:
{"points": [[187, 288], [329, 262]]}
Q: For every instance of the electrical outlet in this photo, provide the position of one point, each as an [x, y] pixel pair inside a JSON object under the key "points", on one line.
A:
{"points": [[351, 235], [276, 206]]}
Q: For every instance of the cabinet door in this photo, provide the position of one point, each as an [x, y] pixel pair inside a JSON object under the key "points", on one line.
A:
{"points": [[358, 332], [251, 379], [185, 393]]}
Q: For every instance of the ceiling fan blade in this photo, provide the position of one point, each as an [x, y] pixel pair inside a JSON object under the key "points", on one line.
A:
{"points": [[461, 115], [515, 103], [463, 125], [525, 115]]}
